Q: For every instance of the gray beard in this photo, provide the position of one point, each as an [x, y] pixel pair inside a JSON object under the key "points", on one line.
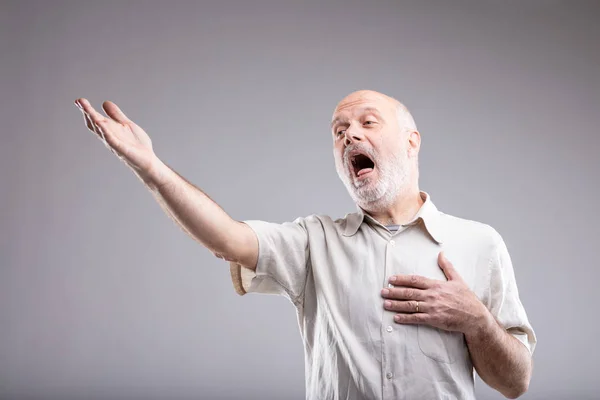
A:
{"points": [[375, 196]]}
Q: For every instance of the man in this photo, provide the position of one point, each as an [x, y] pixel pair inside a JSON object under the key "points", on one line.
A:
{"points": [[383, 312]]}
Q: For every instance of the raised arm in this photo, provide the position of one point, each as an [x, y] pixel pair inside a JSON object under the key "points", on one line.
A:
{"points": [[195, 212]]}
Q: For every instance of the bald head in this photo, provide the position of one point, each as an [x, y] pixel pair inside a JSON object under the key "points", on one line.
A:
{"points": [[380, 101], [376, 146]]}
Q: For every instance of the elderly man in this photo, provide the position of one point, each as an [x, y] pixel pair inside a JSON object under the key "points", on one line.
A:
{"points": [[394, 301]]}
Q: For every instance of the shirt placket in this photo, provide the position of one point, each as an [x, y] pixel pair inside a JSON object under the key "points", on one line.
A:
{"points": [[389, 329]]}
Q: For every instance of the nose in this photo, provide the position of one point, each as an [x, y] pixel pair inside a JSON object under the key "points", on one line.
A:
{"points": [[352, 135]]}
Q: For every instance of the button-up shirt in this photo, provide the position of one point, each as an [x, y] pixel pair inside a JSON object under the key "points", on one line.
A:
{"points": [[333, 272]]}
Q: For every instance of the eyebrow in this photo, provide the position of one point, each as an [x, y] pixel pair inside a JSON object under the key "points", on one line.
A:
{"points": [[363, 110]]}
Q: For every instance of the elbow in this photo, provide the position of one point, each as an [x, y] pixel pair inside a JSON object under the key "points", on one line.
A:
{"points": [[520, 385], [513, 395], [517, 390]]}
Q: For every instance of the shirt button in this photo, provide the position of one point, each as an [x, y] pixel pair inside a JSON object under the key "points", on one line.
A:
{"points": [[389, 375], [389, 329], [392, 242]]}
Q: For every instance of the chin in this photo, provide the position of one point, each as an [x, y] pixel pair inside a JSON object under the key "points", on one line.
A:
{"points": [[376, 196], [373, 194], [377, 206], [373, 199]]}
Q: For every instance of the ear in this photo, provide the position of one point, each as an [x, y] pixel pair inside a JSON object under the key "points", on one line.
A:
{"points": [[414, 143]]}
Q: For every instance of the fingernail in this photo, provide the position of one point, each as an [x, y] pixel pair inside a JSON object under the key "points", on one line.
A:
{"points": [[393, 279], [387, 303], [396, 318], [385, 292]]}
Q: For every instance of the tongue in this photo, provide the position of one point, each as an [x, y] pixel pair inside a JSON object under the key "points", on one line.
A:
{"points": [[364, 171]]}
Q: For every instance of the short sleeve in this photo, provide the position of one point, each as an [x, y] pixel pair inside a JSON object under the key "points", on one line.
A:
{"points": [[506, 305], [283, 256]]}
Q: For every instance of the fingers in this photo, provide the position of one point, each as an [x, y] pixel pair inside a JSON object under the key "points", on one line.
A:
{"points": [[89, 110], [416, 281], [102, 131], [91, 116], [403, 293], [88, 121], [97, 123], [417, 318], [405, 306], [114, 112]]}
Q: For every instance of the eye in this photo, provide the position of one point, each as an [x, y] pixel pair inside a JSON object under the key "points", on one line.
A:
{"points": [[369, 122], [340, 132]]}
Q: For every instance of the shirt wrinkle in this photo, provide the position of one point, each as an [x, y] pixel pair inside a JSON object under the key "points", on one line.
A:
{"points": [[333, 272]]}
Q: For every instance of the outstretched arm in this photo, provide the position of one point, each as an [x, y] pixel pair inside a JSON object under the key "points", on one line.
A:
{"points": [[195, 212]]}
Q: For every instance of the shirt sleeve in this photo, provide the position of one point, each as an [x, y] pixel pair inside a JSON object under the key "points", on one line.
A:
{"points": [[506, 305], [283, 256]]}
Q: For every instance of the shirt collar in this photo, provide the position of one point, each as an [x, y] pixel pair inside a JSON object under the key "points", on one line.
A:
{"points": [[428, 213]]}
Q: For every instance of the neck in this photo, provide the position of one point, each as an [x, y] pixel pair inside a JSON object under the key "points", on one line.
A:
{"points": [[402, 210]]}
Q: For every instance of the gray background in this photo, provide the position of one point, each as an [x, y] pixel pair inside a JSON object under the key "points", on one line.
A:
{"points": [[103, 297]]}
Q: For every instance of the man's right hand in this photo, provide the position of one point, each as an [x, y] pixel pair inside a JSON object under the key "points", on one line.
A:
{"points": [[123, 137], [196, 213]]}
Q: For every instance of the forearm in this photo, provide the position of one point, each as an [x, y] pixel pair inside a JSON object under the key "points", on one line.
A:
{"points": [[200, 217], [499, 358]]}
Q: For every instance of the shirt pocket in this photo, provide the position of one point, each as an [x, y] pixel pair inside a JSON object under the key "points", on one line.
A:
{"points": [[440, 345]]}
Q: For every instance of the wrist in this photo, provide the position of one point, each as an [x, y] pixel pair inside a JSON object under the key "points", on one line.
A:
{"points": [[483, 323], [156, 175]]}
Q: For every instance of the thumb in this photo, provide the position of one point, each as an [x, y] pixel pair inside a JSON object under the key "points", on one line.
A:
{"points": [[114, 112], [447, 267]]}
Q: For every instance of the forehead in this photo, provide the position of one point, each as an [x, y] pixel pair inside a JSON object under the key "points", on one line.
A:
{"points": [[358, 104]]}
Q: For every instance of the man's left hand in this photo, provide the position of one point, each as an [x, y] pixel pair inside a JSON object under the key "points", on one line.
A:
{"points": [[450, 305]]}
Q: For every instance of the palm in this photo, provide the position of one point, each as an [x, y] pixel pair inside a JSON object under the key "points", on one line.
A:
{"points": [[128, 140], [124, 137]]}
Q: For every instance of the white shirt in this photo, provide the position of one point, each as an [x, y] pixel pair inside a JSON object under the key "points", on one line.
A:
{"points": [[333, 273]]}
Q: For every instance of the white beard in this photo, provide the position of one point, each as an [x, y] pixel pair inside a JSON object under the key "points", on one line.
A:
{"points": [[380, 195]]}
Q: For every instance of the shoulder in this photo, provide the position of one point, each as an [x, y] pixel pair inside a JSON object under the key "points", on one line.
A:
{"points": [[313, 224], [463, 229], [326, 223], [322, 219]]}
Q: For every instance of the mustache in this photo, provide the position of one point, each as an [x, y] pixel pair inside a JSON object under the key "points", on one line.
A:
{"points": [[368, 151]]}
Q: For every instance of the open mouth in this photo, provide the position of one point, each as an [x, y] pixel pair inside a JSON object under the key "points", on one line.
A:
{"points": [[361, 164]]}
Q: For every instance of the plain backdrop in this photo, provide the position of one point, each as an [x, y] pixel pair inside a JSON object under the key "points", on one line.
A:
{"points": [[102, 296]]}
